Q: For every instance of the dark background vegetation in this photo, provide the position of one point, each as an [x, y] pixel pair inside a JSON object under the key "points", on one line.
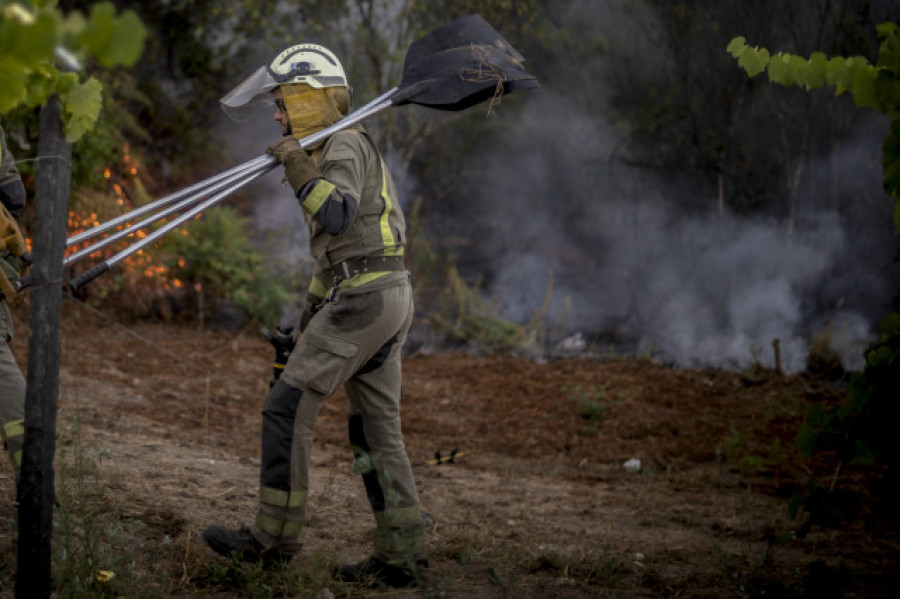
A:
{"points": [[650, 198]]}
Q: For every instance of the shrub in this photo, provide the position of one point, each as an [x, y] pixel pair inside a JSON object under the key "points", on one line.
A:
{"points": [[859, 432], [214, 258]]}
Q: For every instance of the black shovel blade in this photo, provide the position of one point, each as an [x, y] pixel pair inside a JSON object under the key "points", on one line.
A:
{"points": [[459, 65]]}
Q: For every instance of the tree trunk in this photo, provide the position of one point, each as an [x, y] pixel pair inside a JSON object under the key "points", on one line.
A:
{"points": [[36, 489]]}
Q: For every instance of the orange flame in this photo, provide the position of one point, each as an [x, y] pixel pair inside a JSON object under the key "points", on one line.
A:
{"points": [[142, 263]]}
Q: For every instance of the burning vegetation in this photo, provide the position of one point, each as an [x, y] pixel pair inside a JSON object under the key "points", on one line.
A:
{"points": [[149, 277]]}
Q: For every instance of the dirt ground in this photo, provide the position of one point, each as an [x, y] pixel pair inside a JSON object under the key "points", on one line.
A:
{"points": [[537, 501]]}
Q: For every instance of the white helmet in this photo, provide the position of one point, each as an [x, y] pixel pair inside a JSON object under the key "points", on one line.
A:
{"points": [[304, 63]]}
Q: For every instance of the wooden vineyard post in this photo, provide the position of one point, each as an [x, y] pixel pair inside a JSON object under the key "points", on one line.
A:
{"points": [[36, 489]]}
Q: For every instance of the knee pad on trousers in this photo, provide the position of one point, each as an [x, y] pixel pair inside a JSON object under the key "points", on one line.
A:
{"points": [[361, 450], [380, 357], [279, 414]]}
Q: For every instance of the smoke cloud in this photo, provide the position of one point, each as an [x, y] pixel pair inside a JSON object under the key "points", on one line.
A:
{"points": [[631, 270], [548, 208]]}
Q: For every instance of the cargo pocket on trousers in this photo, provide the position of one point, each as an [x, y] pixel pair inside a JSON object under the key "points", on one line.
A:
{"points": [[323, 373]]}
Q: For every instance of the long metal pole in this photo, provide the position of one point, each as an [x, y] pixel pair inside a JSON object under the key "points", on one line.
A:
{"points": [[379, 104], [169, 199], [205, 187], [94, 272], [196, 197]]}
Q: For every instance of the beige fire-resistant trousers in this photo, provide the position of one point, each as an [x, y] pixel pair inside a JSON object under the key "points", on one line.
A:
{"points": [[354, 341]]}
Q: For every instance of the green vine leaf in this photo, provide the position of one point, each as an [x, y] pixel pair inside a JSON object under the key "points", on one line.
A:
{"points": [[30, 44], [113, 40], [814, 76], [30, 36], [82, 106], [872, 86], [14, 80], [737, 46], [754, 60], [889, 52], [127, 43], [98, 30], [36, 91], [780, 70]]}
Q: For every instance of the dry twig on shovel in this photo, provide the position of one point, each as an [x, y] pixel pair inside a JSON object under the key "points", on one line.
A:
{"points": [[456, 66], [485, 72]]}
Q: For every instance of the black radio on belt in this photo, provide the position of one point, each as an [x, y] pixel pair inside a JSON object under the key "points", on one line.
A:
{"points": [[283, 342]]}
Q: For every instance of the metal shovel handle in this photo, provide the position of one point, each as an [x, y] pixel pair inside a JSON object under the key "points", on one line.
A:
{"points": [[212, 184], [190, 191], [433, 76], [228, 182], [193, 198], [92, 273]]}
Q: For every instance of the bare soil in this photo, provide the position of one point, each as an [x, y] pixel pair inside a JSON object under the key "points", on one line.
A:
{"points": [[536, 502]]}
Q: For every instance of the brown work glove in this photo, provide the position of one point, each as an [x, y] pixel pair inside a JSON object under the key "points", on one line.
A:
{"points": [[299, 167]]}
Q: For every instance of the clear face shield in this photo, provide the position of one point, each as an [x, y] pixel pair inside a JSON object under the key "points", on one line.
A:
{"points": [[306, 63], [251, 95]]}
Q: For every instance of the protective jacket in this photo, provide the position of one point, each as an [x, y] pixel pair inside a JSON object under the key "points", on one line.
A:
{"points": [[356, 227], [358, 313]]}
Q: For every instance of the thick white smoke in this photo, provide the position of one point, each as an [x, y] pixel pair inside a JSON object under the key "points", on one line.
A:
{"points": [[550, 207], [634, 271]]}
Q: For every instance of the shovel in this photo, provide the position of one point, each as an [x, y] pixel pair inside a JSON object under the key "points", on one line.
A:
{"points": [[454, 67], [185, 197]]}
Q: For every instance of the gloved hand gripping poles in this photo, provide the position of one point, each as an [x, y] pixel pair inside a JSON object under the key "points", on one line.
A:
{"points": [[456, 66], [208, 193]]}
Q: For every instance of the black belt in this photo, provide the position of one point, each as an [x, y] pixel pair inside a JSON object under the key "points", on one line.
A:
{"points": [[357, 266]]}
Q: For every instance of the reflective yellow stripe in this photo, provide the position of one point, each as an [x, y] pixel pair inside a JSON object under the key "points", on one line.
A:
{"points": [[278, 528], [398, 516], [399, 534], [317, 196], [387, 236], [14, 428], [280, 498], [362, 279], [317, 288]]}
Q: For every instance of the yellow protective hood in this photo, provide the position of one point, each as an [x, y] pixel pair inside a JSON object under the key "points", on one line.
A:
{"points": [[312, 109]]}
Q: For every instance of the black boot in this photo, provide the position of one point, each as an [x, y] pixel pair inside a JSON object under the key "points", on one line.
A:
{"points": [[241, 545], [374, 572]]}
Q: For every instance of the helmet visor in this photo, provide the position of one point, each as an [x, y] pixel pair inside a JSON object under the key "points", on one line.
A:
{"points": [[251, 94]]}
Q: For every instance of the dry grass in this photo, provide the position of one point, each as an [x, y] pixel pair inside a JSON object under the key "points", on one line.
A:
{"points": [[533, 508]]}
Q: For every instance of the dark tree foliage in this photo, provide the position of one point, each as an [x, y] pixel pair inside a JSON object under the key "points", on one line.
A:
{"points": [[681, 123], [765, 149], [196, 51], [652, 76]]}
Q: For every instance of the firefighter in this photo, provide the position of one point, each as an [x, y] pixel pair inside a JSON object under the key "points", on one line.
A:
{"points": [[12, 383], [355, 319]]}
